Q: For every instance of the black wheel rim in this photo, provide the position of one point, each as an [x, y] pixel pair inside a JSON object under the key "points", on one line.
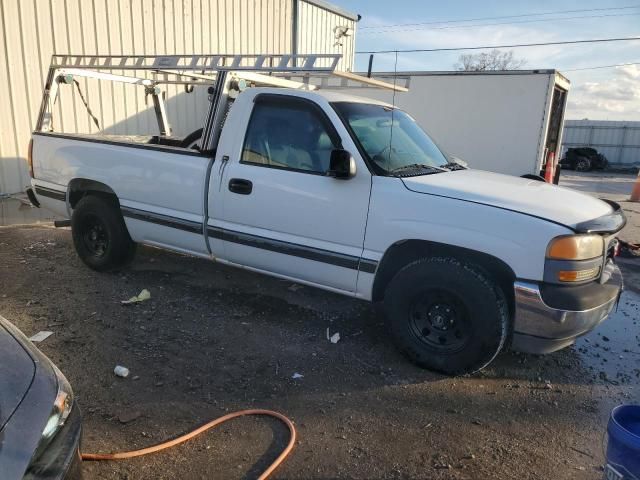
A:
{"points": [[94, 236], [440, 319], [582, 165]]}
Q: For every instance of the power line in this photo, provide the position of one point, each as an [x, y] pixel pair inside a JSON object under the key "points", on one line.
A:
{"points": [[499, 23], [500, 17], [484, 47], [599, 66]]}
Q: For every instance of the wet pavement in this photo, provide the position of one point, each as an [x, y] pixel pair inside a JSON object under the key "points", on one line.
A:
{"points": [[214, 339], [612, 351]]}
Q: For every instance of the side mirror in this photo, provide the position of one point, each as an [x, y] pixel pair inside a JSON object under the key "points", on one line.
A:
{"points": [[341, 165]]}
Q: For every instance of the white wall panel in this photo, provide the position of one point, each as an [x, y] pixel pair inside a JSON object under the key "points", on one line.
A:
{"points": [[32, 30], [317, 24], [619, 141]]}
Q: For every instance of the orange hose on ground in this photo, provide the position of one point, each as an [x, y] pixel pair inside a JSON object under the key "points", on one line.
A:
{"points": [[187, 436]]}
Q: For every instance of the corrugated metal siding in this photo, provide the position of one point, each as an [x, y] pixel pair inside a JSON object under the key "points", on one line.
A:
{"points": [[32, 30], [619, 141], [317, 32]]}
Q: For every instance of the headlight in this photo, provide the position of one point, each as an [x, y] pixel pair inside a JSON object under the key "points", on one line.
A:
{"points": [[59, 412], [576, 247], [574, 258]]}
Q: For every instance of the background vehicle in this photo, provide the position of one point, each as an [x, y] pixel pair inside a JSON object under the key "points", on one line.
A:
{"points": [[584, 159], [339, 192], [501, 121], [40, 425]]}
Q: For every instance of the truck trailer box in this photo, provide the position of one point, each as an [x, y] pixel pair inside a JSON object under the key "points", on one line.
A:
{"points": [[502, 121]]}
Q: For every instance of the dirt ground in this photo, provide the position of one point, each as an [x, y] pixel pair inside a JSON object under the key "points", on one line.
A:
{"points": [[213, 339]]}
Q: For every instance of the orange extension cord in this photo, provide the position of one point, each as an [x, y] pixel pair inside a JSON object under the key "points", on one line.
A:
{"points": [[177, 441]]}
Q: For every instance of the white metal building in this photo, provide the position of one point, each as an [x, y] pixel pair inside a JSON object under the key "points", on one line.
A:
{"points": [[619, 141], [32, 30]]}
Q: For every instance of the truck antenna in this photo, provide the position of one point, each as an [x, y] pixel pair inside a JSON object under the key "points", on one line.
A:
{"points": [[393, 103]]}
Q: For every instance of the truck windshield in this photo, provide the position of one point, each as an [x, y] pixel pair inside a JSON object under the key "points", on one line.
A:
{"points": [[392, 140]]}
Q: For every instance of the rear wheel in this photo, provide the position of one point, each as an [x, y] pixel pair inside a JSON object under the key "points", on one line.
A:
{"points": [[446, 315], [100, 235], [582, 164]]}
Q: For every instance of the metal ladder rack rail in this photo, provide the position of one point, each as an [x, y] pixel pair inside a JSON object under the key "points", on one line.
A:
{"points": [[202, 63]]}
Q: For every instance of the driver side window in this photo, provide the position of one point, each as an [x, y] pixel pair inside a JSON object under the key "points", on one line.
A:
{"points": [[290, 135]]}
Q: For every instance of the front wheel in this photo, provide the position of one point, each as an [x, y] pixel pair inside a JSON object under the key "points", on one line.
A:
{"points": [[100, 235], [446, 315]]}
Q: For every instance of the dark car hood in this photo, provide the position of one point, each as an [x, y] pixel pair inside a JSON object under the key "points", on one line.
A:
{"points": [[17, 370]]}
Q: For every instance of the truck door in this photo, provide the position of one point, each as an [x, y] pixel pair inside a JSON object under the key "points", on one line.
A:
{"points": [[280, 212]]}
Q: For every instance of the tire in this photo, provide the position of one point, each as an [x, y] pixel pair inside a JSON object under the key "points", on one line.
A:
{"points": [[192, 140], [443, 298], [100, 235], [582, 164]]}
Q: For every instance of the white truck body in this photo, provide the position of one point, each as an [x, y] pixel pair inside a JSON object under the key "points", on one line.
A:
{"points": [[471, 115], [352, 234]]}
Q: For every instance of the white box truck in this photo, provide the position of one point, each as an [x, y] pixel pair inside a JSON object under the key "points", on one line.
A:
{"points": [[502, 121]]}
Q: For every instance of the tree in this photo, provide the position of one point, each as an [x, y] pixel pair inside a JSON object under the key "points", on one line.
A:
{"points": [[493, 60]]}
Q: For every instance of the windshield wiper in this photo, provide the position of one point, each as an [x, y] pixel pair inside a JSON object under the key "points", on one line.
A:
{"points": [[421, 167]]}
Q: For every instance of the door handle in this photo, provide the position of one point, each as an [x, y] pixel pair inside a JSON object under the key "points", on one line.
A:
{"points": [[241, 186]]}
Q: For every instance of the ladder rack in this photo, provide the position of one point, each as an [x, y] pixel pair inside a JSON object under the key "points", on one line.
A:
{"points": [[202, 63], [149, 71], [315, 70]]}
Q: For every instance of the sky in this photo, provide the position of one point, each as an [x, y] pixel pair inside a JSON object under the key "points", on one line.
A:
{"points": [[597, 94]]}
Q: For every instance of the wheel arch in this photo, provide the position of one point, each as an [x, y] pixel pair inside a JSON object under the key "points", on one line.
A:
{"points": [[405, 252], [80, 187]]}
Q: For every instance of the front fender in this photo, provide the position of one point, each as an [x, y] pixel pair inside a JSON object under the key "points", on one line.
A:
{"points": [[517, 239]]}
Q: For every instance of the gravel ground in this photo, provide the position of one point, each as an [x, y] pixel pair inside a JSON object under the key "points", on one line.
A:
{"points": [[214, 339]]}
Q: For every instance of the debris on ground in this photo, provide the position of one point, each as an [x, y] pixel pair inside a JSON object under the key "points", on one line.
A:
{"points": [[121, 371], [297, 376], [41, 336], [129, 416], [141, 297], [335, 338], [294, 287]]}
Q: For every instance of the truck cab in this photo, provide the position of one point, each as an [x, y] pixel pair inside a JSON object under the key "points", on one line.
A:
{"points": [[350, 195]]}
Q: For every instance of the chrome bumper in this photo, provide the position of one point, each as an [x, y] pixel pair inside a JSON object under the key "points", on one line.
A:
{"points": [[539, 328]]}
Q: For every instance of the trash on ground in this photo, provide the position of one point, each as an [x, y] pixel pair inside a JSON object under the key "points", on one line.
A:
{"points": [[295, 287], [41, 336], [121, 371], [296, 376], [335, 338], [141, 297]]}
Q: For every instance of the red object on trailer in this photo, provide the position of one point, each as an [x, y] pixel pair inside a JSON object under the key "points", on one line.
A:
{"points": [[549, 171]]}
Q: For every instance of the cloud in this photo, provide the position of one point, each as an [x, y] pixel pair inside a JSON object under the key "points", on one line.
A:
{"points": [[630, 71], [618, 95]]}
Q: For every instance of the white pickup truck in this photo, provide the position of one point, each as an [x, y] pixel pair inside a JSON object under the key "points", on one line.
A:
{"points": [[350, 195]]}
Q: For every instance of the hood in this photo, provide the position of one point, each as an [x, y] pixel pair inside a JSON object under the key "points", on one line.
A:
{"points": [[17, 369], [531, 197]]}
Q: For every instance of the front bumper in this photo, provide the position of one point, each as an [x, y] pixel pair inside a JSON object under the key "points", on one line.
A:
{"points": [[539, 328]]}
